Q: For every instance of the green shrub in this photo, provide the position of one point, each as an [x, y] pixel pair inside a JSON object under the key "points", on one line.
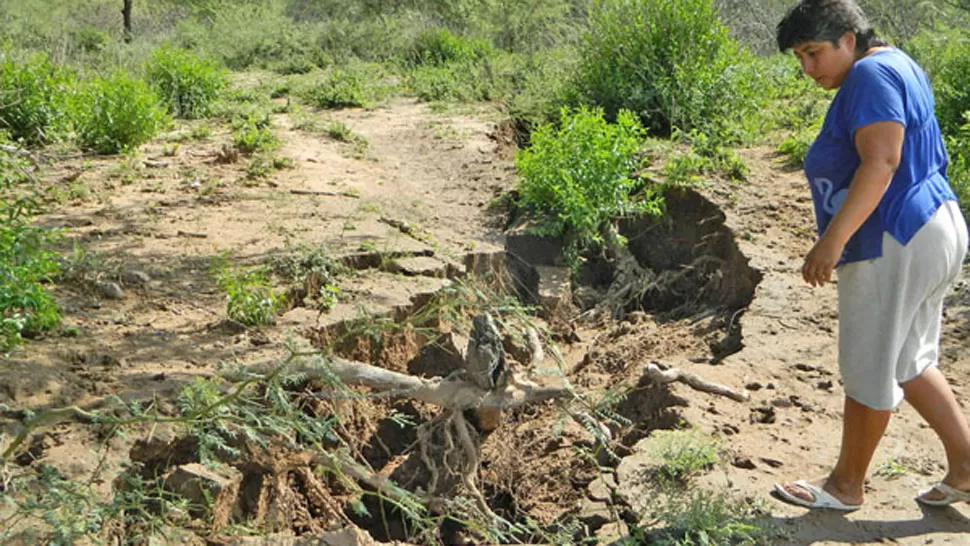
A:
{"points": [[439, 46], [188, 84], [577, 178], [33, 100], [958, 147], [342, 88], [946, 57], [450, 82], [544, 86], [118, 113], [672, 63], [26, 260], [254, 34]]}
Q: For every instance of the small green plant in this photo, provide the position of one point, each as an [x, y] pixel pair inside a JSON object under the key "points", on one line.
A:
{"points": [[27, 262], [891, 469], [340, 131], [577, 178], [34, 99], [682, 453], [251, 133], [201, 131], [795, 147], [118, 113], [314, 269], [188, 84], [280, 163], [250, 296], [704, 518]]}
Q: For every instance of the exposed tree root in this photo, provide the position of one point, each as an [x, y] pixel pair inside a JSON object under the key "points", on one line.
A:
{"points": [[659, 375]]}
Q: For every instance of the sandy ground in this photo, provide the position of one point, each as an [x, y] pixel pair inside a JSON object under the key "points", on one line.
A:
{"points": [[421, 188]]}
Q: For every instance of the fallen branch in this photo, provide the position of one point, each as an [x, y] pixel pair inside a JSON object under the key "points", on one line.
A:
{"points": [[324, 192], [654, 371], [449, 392]]}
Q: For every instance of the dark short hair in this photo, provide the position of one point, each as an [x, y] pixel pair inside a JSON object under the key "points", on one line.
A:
{"points": [[825, 20]]}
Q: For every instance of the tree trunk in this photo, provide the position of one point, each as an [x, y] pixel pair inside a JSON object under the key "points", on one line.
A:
{"points": [[126, 14]]}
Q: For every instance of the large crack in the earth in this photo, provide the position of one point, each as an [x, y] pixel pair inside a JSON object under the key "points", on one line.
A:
{"points": [[530, 466]]}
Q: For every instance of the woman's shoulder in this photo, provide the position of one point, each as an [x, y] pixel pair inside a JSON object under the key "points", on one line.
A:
{"points": [[887, 65]]}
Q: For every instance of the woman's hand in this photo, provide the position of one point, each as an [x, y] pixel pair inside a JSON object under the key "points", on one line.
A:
{"points": [[821, 260]]}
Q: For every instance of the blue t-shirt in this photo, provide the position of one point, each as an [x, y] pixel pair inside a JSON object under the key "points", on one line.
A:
{"points": [[884, 86]]}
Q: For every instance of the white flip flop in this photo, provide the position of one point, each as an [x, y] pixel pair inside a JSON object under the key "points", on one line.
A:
{"points": [[950, 495], [821, 498]]}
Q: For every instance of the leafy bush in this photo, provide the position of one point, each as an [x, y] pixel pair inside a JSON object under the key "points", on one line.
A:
{"points": [[958, 146], [118, 113], [439, 46], [33, 99], [946, 57], [26, 261], [544, 86], [188, 84], [342, 88], [576, 178], [671, 63], [449, 82]]}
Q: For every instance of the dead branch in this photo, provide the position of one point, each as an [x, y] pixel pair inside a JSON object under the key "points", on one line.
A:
{"points": [[324, 192], [654, 371], [447, 392]]}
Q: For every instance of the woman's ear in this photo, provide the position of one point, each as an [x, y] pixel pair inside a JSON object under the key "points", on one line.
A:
{"points": [[848, 40]]}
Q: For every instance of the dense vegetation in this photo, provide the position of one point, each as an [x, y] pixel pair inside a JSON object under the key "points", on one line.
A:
{"points": [[596, 88]]}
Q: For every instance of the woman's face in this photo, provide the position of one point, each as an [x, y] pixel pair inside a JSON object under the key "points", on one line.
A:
{"points": [[825, 63]]}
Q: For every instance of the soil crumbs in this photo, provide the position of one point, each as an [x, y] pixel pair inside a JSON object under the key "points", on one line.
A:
{"points": [[410, 213]]}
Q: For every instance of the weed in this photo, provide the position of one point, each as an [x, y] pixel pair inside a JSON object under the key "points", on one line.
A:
{"points": [[704, 518], [891, 469], [315, 270], [251, 134], [681, 454], [340, 131], [280, 163], [201, 131], [250, 296]]}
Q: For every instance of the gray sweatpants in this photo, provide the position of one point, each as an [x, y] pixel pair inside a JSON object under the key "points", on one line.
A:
{"points": [[891, 309]]}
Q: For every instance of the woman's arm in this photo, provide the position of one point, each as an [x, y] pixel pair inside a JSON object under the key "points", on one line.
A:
{"points": [[879, 146]]}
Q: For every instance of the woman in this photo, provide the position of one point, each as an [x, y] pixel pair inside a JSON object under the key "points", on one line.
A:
{"points": [[889, 222]]}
